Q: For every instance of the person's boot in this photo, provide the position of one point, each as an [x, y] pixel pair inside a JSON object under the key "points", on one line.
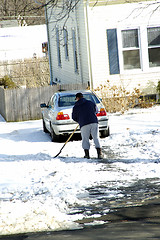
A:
{"points": [[86, 153], [99, 153]]}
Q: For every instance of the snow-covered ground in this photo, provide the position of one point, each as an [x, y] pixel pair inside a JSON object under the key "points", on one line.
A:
{"points": [[39, 192]]}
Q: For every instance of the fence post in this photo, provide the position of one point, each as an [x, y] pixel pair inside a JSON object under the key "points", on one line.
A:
{"points": [[2, 103]]}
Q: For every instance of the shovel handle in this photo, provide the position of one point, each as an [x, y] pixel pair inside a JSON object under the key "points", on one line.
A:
{"points": [[67, 140], [71, 135]]}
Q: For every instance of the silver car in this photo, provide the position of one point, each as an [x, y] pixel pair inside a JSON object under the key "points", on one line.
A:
{"points": [[57, 114]]}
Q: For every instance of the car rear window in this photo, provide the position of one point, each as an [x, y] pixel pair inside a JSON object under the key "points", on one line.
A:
{"points": [[92, 98], [69, 100]]}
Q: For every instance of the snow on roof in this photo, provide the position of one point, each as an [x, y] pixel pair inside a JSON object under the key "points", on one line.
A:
{"points": [[22, 42]]}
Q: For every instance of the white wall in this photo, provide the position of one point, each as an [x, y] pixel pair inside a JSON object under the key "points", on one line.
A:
{"points": [[66, 72], [101, 18], [22, 42], [121, 16]]}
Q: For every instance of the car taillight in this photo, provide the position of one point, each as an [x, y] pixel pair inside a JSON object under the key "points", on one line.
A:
{"points": [[102, 112], [62, 116]]}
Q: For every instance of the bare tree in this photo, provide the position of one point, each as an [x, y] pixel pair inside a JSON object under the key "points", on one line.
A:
{"points": [[22, 10], [33, 11], [65, 7]]}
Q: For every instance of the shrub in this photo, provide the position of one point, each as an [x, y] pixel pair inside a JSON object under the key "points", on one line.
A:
{"points": [[7, 82], [28, 73], [145, 102], [116, 98], [158, 87], [32, 72]]}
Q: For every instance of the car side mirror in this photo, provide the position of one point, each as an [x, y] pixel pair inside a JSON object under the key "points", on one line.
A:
{"points": [[43, 105]]}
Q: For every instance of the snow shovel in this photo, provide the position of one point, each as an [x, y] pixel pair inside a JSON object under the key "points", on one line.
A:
{"points": [[67, 141]]}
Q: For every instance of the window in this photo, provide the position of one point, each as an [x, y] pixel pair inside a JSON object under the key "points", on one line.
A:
{"points": [[130, 49], [58, 48], [133, 49], [66, 101], [75, 55], [65, 35], [154, 46], [69, 100], [92, 98], [52, 101]]}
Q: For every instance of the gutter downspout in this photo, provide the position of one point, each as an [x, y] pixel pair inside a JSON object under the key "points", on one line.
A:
{"points": [[88, 45], [49, 48]]}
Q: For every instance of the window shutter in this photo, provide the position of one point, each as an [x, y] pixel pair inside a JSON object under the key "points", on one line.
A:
{"points": [[75, 51], [58, 47], [113, 51], [65, 33]]}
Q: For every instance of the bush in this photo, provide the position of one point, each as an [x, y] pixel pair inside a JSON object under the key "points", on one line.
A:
{"points": [[116, 98], [31, 72], [28, 73], [158, 87], [7, 82]]}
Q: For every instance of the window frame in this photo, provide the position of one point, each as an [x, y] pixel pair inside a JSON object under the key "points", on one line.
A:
{"points": [[121, 49], [151, 46], [143, 48]]}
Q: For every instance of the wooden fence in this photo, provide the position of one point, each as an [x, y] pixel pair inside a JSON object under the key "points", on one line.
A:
{"points": [[24, 104]]}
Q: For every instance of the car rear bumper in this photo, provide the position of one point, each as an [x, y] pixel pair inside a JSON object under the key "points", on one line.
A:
{"points": [[63, 129]]}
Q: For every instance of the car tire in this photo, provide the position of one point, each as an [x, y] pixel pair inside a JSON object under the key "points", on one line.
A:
{"points": [[54, 137], [44, 127], [105, 133]]}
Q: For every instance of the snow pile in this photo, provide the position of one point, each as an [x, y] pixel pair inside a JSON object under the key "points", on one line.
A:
{"points": [[39, 192]]}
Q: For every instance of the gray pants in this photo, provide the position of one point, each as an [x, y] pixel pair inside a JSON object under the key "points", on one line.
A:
{"points": [[86, 131]]}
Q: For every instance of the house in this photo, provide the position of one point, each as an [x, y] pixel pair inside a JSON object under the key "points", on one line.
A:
{"points": [[113, 40]]}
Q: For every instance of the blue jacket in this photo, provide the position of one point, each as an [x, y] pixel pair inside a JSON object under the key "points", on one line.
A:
{"points": [[84, 112]]}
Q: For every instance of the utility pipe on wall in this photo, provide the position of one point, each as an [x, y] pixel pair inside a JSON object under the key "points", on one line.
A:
{"points": [[88, 45]]}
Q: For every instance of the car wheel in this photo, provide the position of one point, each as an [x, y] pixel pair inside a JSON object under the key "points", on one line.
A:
{"points": [[54, 137], [44, 127], [105, 133]]}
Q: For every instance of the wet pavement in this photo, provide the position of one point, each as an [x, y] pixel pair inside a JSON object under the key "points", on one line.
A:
{"points": [[138, 222], [133, 213]]}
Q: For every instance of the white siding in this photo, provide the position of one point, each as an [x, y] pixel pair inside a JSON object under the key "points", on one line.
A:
{"points": [[120, 16], [66, 73], [92, 47], [83, 41]]}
